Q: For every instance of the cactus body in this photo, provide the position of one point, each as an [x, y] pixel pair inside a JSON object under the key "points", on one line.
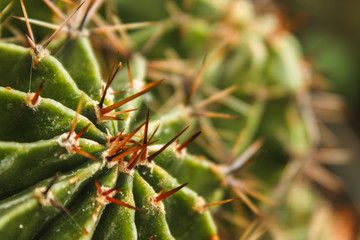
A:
{"points": [[24, 130], [111, 175], [35, 145]]}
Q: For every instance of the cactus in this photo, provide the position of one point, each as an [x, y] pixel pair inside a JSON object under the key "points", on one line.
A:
{"points": [[85, 158]]}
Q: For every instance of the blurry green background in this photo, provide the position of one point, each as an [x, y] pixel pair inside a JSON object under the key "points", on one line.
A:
{"points": [[330, 34], [329, 31]]}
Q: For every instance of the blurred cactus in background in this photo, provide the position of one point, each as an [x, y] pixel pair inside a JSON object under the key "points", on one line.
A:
{"points": [[158, 119]]}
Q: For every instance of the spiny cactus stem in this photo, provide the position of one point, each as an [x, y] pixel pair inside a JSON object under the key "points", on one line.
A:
{"points": [[105, 196], [62, 25], [45, 198], [32, 100], [132, 163], [104, 192], [35, 99], [122, 155], [83, 153], [125, 111], [156, 129], [245, 157], [246, 200], [40, 51], [78, 110], [147, 88], [71, 141], [110, 79], [55, 9], [42, 198], [58, 205], [83, 20], [40, 23], [214, 115], [145, 139], [115, 190], [219, 96], [31, 43], [117, 145], [31, 35], [121, 203], [160, 31], [220, 202], [124, 26], [81, 132], [150, 158], [115, 118], [131, 141], [53, 181], [37, 52], [129, 73], [4, 11], [61, 207], [162, 195], [187, 142], [196, 83], [245, 188], [202, 207]]}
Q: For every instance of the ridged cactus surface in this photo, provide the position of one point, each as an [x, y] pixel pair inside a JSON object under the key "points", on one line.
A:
{"points": [[70, 173], [97, 118]]}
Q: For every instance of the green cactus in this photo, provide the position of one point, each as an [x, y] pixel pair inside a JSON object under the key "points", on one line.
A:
{"points": [[74, 168]]}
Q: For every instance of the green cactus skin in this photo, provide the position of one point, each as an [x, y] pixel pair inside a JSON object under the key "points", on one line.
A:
{"points": [[35, 143], [40, 159], [116, 218], [185, 220], [86, 212], [22, 215], [35, 139], [23, 147]]}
